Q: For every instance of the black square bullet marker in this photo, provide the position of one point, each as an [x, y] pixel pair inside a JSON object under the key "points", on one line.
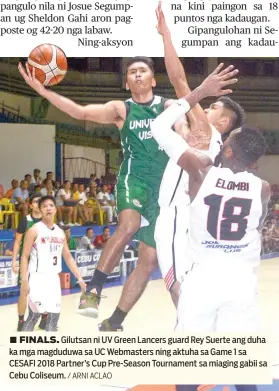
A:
{"points": [[12, 339]]}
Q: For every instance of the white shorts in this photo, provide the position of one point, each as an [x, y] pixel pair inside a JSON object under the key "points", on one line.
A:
{"points": [[171, 243], [44, 293], [218, 299]]}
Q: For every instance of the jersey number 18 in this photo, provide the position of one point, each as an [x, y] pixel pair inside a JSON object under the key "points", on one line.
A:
{"points": [[231, 224]]}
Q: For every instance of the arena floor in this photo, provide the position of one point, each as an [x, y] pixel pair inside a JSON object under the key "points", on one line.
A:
{"points": [[155, 312]]}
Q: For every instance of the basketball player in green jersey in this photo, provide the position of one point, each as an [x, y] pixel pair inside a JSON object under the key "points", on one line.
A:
{"points": [[25, 223], [139, 176]]}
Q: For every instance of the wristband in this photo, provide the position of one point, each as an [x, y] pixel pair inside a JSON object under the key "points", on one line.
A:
{"points": [[184, 105]]}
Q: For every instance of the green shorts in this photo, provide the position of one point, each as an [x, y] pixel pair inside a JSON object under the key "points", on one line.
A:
{"points": [[134, 197], [146, 234], [144, 199]]}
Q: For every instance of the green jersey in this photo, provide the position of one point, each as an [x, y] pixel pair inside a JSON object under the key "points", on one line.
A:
{"points": [[25, 223], [143, 166], [142, 156]]}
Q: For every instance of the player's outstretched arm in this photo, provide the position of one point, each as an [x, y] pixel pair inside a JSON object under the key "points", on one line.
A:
{"points": [[177, 76], [109, 113], [174, 66], [70, 262]]}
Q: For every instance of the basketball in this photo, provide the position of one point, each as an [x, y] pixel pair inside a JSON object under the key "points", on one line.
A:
{"points": [[50, 64]]}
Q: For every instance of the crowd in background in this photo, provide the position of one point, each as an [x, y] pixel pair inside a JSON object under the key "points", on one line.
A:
{"points": [[76, 203], [270, 231]]}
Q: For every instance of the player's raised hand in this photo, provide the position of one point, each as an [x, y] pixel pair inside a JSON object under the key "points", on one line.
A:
{"points": [[215, 83], [30, 78], [162, 27]]}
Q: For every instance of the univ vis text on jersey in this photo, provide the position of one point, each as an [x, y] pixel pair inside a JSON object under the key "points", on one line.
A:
{"points": [[143, 128]]}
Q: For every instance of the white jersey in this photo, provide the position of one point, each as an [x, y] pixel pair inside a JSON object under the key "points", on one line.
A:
{"points": [[46, 252], [175, 181], [224, 218]]}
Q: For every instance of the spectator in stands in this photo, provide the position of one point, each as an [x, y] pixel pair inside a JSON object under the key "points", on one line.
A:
{"points": [[36, 178], [85, 243], [274, 223], [268, 240], [37, 189], [72, 242], [20, 198], [91, 191], [9, 193], [84, 210], [47, 189], [265, 244], [103, 180], [66, 206], [27, 178], [112, 201], [101, 240], [111, 195], [106, 203], [49, 175], [93, 178], [57, 187], [75, 193], [276, 208]]}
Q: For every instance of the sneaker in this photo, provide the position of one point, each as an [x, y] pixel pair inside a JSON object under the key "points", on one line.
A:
{"points": [[77, 224], [107, 326], [61, 224], [20, 325], [88, 306]]}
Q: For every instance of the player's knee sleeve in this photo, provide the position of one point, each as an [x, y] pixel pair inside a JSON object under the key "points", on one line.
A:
{"points": [[31, 320]]}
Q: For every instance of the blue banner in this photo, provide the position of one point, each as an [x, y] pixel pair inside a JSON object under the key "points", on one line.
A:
{"points": [[7, 278], [87, 261]]}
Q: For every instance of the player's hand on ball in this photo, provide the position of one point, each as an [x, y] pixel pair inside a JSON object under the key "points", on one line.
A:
{"points": [[30, 78], [82, 285], [213, 85]]}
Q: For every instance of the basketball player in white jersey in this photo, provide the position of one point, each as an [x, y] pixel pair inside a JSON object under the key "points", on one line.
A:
{"points": [[172, 223], [44, 245], [227, 210]]}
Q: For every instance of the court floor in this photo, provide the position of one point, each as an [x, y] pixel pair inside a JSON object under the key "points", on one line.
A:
{"points": [[155, 312]]}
